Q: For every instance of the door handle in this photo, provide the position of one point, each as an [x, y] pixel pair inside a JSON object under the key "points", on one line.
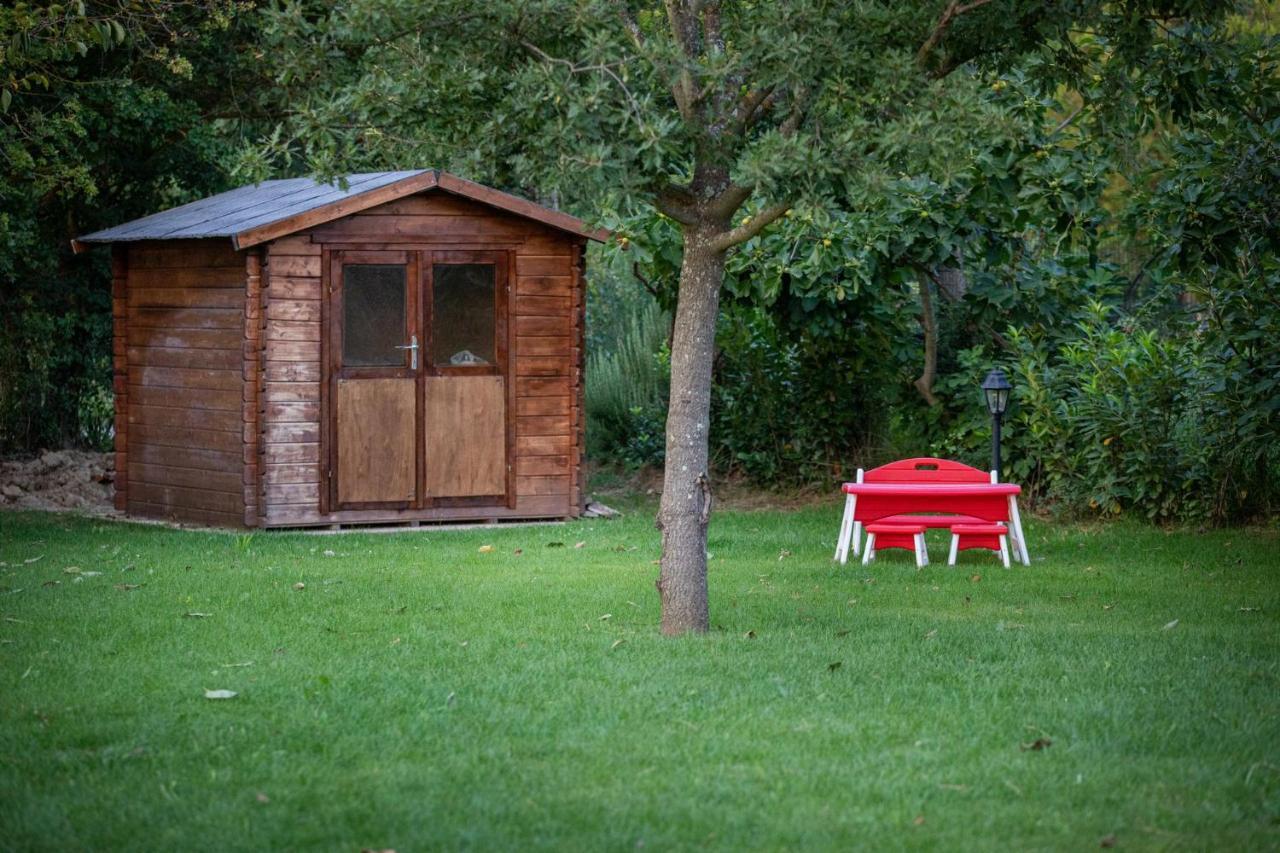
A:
{"points": [[412, 347]]}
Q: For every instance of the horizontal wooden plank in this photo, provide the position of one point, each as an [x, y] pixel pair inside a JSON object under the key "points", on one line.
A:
{"points": [[391, 229], [292, 412], [193, 498], [542, 365], [289, 392], [542, 445], [548, 242], [194, 398], [293, 309], [542, 485], [292, 493], [530, 465], [214, 252], [228, 481], [293, 350], [543, 265], [547, 405], [168, 436], [278, 474], [187, 318], [185, 377], [293, 265], [290, 454], [224, 359], [539, 386], [189, 515], [284, 287], [186, 297], [168, 416], [544, 345], [547, 306], [544, 326], [230, 338], [431, 204], [544, 285], [186, 457], [527, 506], [184, 278], [293, 330], [544, 425], [291, 371], [291, 433], [296, 245]]}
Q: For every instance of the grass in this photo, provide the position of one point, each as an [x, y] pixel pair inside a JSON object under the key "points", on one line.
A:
{"points": [[419, 694]]}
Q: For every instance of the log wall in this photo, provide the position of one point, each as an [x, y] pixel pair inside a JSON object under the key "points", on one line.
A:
{"points": [[179, 375]]}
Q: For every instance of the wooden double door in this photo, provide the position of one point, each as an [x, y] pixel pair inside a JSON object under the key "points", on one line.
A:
{"points": [[418, 380]]}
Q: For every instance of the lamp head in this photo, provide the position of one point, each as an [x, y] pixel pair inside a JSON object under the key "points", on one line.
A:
{"points": [[995, 388]]}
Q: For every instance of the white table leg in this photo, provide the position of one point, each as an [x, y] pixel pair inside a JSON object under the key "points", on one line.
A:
{"points": [[846, 525], [955, 548], [870, 553], [1004, 551], [1019, 541]]}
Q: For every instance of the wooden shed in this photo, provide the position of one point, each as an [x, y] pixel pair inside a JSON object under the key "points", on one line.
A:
{"points": [[406, 348]]}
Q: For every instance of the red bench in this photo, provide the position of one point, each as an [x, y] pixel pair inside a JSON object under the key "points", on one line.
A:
{"points": [[920, 471]]}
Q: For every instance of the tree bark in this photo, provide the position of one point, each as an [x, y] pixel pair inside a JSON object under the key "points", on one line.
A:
{"points": [[686, 491]]}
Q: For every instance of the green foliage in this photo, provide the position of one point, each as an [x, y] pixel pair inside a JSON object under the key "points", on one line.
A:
{"points": [[626, 394]]}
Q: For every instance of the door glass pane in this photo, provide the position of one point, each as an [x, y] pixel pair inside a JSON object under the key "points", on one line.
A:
{"points": [[373, 315], [462, 318]]}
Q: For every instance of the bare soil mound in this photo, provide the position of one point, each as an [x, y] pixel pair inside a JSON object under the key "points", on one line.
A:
{"points": [[58, 480]]}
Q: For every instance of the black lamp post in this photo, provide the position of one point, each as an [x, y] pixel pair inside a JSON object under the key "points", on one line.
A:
{"points": [[995, 388]]}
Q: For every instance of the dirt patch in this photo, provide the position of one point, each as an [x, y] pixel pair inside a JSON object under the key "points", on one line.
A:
{"points": [[59, 480], [729, 492]]}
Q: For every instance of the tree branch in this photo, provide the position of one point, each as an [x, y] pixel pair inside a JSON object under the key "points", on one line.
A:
{"points": [[754, 226], [677, 203], [605, 68], [954, 10]]}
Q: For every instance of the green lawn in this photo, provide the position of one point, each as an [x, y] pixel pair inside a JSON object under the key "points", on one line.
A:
{"points": [[421, 694]]}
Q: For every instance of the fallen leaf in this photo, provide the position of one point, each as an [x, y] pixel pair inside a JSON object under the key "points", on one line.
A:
{"points": [[975, 578], [236, 665], [1107, 606], [56, 583], [1249, 609], [329, 554], [195, 615], [396, 641], [919, 820], [1169, 626], [931, 634], [606, 616], [299, 586], [750, 635], [127, 587], [485, 549], [451, 699], [580, 544], [263, 798], [1037, 744], [518, 551], [71, 570], [832, 667], [555, 544], [220, 694], [1108, 841], [31, 560], [843, 633], [783, 554], [90, 574], [616, 643]]}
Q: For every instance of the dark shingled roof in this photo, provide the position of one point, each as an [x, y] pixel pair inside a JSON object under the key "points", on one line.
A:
{"points": [[227, 214], [244, 214]]}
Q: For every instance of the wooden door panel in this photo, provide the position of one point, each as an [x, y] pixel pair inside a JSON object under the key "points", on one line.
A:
{"points": [[376, 440], [466, 436]]}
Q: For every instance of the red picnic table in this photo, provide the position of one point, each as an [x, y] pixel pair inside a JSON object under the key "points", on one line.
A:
{"points": [[959, 503]]}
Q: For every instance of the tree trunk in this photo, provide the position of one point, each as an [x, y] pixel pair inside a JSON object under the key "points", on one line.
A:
{"points": [[686, 490]]}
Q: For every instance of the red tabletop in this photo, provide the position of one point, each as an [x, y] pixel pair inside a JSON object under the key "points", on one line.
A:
{"points": [[943, 490]]}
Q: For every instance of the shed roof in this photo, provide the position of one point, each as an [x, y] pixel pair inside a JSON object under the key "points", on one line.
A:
{"points": [[260, 212]]}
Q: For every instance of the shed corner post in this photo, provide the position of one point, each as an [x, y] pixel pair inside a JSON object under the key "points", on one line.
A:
{"points": [[120, 369], [578, 487], [252, 385]]}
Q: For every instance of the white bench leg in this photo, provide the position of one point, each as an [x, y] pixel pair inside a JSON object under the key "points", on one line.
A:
{"points": [[846, 525], [955, 549], [922, 552], [1015, 525], [870, 553], [1004, 551]]}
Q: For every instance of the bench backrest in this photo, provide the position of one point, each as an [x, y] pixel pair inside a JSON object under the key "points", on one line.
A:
{"points": [[925, 469]]}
